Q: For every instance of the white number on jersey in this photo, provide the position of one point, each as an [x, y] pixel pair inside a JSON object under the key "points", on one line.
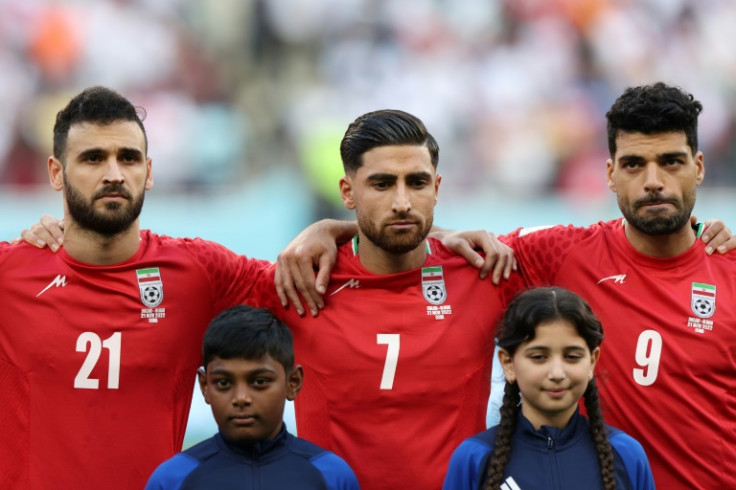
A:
{"points": [[392, 358], [648, 354], [113, 344]]}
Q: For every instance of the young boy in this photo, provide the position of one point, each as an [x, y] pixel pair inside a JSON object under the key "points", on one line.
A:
{"points": [[248, 375]]}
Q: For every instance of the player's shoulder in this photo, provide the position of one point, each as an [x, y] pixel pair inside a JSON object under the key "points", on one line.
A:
{"points": [[151, 238], [727, 259], [438, 253], [204, 251], [17, 255], [22, 248], [570, 230]]}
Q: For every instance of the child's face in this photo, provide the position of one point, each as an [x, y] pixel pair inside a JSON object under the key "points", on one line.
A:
{"points": [[553, 370], [248, 396]]}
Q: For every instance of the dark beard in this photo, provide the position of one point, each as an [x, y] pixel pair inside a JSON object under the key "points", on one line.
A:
{"points": [[663, 225], [109, 224], [396, 243]]}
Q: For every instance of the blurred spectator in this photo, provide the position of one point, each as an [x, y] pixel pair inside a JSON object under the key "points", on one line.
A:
{"points": [[514, 90]]}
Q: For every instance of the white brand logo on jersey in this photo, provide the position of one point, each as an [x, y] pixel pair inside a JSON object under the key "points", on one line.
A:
{"points": [[510, 484], [59, 281], [617, 279], [352, 283]]}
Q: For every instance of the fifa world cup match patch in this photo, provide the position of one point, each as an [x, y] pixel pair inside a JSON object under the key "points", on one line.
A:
{"points": [[703, 304], [152, 293], [435, 292]]}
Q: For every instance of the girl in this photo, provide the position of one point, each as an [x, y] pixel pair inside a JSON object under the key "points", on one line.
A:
{"points": [[548, 347]]}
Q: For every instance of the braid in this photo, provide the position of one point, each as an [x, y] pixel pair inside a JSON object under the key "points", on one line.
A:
{"points": [[509, 413], [599, 435]]}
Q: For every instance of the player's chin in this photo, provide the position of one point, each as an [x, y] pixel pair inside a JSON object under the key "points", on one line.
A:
{"points": [[405, 244]]}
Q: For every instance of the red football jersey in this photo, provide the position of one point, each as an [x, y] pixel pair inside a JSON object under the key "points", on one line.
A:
{"points": [[668, 362], [97, 363], [397, 367]]}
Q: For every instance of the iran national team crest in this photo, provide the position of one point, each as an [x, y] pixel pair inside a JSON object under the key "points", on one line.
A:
{"points": [[703, 299], [433, 285], [152, 289]]}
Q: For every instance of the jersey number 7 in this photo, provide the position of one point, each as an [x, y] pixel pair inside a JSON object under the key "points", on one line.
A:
{"points": [[393, 341]]}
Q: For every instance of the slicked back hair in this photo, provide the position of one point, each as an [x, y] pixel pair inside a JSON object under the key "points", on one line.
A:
{"points": [[245, 332], [386, 127], [651, 109], [523, 315], [97, 105]]}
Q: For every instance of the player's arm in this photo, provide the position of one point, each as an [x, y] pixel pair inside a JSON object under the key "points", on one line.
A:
{"points": [[467, 243], [716, 236], [315, 246]]}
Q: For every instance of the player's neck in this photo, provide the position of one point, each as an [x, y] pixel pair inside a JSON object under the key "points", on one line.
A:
{"points": [[379, 261], [661, 246], [95, 249]]}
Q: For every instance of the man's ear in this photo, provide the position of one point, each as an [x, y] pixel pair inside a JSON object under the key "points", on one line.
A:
{"points": [[437, 181], [346, 192], [149, 176], [56, 173], [700, 164], [202, 377], [294, 382], [609, 175]]}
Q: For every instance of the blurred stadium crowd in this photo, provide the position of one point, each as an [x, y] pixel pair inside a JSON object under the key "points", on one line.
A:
{"points": [[514, 90]]}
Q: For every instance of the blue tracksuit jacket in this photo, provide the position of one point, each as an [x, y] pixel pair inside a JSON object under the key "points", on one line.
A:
{"points": [[550, 459], [285, 462]]}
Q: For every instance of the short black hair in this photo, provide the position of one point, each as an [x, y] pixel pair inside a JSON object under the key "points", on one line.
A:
{"points": [[98, 105], [246, 332], [657, 108], [386, 127]]}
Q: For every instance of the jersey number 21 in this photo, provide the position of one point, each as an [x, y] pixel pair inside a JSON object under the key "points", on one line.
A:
{"points": [[91, 343]]}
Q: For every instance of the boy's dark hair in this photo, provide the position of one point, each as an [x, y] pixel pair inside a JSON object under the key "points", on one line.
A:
{"points": [[384, 128], [249, 333], [658, 108], [523, 315], [98, 105]]}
